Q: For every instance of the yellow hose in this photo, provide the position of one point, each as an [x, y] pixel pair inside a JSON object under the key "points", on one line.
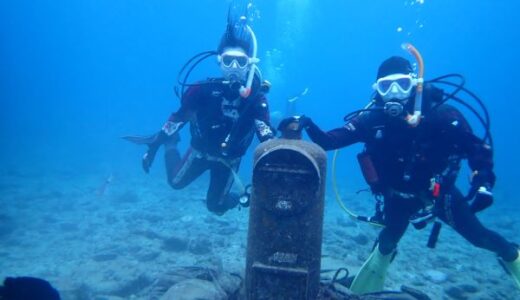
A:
{"points": [[338, 197], [335, 187]]}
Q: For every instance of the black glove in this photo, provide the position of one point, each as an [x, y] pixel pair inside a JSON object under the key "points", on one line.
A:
{"points": [[147, 160], [153, 147], [483, 199], [484, 178], [299, 123], [481, 184]]}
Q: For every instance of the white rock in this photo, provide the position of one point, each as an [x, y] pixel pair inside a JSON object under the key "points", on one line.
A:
{"points": [[436, 276], [193, 289]]}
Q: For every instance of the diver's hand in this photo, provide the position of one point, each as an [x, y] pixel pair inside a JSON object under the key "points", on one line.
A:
{"points": [[147, 161], [482, 178], [483, 199], [160, 138], [482, 182], [295, 123]]}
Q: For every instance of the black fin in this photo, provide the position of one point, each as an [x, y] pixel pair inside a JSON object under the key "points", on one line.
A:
{"points": [[139, 139]]}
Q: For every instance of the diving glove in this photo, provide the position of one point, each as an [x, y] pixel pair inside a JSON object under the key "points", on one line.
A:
{"points": [[482, 178], [480, 193], [292, 127], [294, 123], [153, 147], [483, 199], [169, 130]]}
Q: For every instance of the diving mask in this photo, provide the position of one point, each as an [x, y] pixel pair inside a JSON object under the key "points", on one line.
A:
{"points": [[234, 59], [235, 64], [395, 86]]}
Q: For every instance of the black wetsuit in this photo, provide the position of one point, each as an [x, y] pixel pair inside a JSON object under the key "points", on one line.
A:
{"points": [[407, 158], [222, 126]]}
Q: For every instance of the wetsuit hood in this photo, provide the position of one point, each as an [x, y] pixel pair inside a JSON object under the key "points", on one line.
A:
{"points": [[394, 65]]}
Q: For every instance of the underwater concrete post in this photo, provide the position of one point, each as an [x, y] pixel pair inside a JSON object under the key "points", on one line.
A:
{"points": [[286, 220]]}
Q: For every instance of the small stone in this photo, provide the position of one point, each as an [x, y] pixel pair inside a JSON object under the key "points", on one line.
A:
{"points": [[436, 276], [187, 219], [361, 239], [200, 246], [230, 283], [104, 257], [149, 234], [147, 256], [192, 289], [133, 287], [456, 293], [227, 230], [175, 244], [469, 288]]}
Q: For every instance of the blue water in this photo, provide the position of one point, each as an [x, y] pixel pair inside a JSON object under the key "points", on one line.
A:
{"points": [[77, 75]]}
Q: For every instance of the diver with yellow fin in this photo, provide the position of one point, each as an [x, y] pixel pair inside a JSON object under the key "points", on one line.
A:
{"points": [[414, 146]]}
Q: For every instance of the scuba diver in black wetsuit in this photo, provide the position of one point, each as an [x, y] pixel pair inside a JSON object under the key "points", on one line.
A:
{"points": [[223, 113], [414, 144]]}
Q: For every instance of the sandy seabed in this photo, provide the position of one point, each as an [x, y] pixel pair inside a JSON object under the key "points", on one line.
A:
{"points": [[137, 237]]}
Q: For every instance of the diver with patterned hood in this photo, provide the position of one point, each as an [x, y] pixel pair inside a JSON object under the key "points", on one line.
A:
{"points": [[414, 145], [223, 113]]}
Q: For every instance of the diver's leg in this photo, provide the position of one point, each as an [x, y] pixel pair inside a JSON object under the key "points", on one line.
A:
{"points": [[172, 157], [371, 276], [397, 212], [457, 213], [219, 199], [187, 170]]}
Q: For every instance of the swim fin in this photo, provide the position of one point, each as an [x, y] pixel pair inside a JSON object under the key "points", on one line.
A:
{"points": [[513, 267], [140, 139], [371, 276], [153, 142], [156, 138]]}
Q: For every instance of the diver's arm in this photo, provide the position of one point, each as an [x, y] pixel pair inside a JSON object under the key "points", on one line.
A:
{"points": [[335, 138], [171, 128], [263, 127], [479, 154], [456, 130], [480, 160], [179, 118]]}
